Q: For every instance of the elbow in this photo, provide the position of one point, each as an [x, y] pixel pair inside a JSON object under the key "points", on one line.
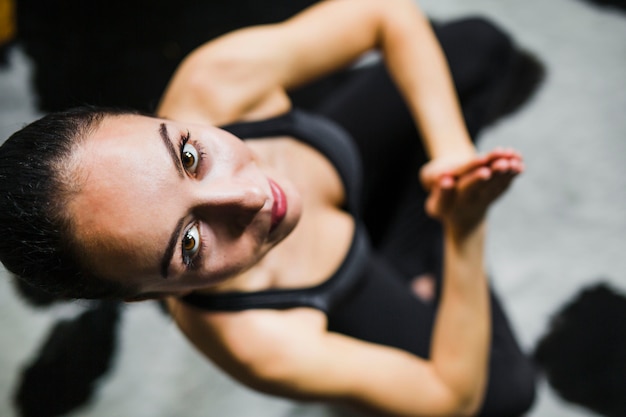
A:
{"points": [[468, 409], [467, 405], [210, 84], [456, 402], [452, 405], [270, 374]]}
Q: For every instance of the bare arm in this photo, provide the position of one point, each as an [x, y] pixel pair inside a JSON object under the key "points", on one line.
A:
{"points": [[291, 354], [245, 74]]}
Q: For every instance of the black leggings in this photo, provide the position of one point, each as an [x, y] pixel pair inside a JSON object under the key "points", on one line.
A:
{"points": [[407, 242]]}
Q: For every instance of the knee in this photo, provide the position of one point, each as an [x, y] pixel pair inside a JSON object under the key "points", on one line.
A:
{"points": [[523, 388], [488, 41], [479, 53], [512, 391]]}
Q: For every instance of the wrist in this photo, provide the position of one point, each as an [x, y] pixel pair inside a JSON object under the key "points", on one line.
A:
{"points": [[457, 148], [461, 232], [451, 143]]}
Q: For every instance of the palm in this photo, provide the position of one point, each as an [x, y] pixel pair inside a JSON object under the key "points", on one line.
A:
{"points": [[463, 195]]}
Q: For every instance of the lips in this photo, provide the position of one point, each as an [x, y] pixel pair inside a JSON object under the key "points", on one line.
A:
{"points": [[279, 207]]}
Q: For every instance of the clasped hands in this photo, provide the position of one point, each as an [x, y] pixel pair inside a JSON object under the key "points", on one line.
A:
{"points": [[462, 187]]}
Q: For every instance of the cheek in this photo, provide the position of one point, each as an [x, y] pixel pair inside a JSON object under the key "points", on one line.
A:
{"points": [[224, 147], [228, 258]]}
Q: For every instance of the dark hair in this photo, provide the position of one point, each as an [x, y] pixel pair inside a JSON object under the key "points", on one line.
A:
{"points": [[36, 181]]}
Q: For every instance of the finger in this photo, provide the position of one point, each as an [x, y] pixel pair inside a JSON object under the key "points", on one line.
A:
{"points": [[441, 197], [432, 203], [469, 166], [470, 183], [497, 187], [446, 185], [501, 165], [514, 154], [499, 184], [512, 162], [487, 160], [430, 175], [429, 181], [517, 165], [508, 153]]}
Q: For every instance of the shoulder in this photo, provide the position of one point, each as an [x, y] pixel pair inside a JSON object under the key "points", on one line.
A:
{"points": [[257, 347], [245, 74], [226, 80]]}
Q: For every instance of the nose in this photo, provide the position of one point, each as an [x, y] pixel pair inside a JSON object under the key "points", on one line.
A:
{"points": [[233, 203]]}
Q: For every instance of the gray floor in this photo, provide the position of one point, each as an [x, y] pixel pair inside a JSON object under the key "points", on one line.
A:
{"points": [[562, 227]]}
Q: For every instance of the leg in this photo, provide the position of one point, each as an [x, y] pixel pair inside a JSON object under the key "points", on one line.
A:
{"points": [[369, 107], [512, 373], [382, 310], [492, 76]]}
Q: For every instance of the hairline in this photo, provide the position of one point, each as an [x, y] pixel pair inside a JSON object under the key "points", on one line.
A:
{"points": [[69, 180]]}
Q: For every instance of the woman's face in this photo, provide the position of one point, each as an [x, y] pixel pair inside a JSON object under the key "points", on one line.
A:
{"points": [[174, 207]]}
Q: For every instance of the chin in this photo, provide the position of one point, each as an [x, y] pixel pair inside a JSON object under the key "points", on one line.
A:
{"points": [[292, 218]]}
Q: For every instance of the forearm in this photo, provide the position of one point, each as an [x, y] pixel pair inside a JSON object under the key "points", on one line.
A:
{"points": [[419, 67], [238, 73], [461, 339], [411, 51]]}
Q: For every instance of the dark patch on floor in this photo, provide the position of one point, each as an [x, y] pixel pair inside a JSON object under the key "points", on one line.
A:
{"points": [[618, 4], [583, 353], [75, 355]]}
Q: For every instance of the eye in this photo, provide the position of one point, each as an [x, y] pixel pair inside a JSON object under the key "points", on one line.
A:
{"points": [[189, 158], [190, 243]]}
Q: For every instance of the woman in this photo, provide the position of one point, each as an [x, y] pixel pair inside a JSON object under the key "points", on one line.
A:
{"points": [[259, 247]]}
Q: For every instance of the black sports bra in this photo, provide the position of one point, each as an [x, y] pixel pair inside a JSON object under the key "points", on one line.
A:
{"points": [[320, 133], [335, 144]]}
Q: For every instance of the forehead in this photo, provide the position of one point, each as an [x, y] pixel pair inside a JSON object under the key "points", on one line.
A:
{"points": [[121, 215]]}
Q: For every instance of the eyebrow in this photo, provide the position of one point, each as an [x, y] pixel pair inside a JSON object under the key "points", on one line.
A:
{"points": [[166, 260], [170, 149], [169, 250]]}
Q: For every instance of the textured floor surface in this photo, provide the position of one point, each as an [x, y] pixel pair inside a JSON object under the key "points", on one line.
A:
{"points": [[561, 228]]}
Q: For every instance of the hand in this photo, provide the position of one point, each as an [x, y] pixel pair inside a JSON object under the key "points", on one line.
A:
{"points": [[460, 198], [452, 165]]}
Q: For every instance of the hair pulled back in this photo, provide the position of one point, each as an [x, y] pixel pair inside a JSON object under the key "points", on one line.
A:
{"points": [[36, 181]]}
